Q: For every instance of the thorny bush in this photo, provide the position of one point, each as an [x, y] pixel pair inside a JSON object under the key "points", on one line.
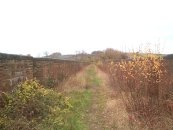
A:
{"points": [[32, 107]]}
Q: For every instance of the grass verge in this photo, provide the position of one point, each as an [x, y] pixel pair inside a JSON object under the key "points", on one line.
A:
{"points": [[92, 79], [80, 100]]}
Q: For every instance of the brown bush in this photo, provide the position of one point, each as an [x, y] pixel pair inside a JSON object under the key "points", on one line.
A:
{"points": [[145, 88]]}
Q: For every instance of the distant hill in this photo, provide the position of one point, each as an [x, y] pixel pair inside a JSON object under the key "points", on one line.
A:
{"points": [[54, 55], [168, 57], [58, 55]]}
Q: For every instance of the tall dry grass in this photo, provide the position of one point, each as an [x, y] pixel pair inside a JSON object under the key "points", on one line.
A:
{"points": [[144, 84]]}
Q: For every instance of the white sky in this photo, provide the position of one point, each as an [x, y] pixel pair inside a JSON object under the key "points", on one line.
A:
{"points": [[66, 26]]}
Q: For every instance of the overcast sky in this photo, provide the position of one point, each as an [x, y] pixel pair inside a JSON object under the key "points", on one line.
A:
{"points": [[66, 26]]}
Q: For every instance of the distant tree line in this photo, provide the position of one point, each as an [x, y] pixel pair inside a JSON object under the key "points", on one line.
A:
{"points": [[105, 55]]}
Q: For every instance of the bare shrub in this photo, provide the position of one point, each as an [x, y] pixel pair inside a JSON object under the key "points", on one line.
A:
{"points": [[144, 85]]}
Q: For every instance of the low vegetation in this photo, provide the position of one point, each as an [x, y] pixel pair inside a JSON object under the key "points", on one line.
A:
{"points": [[31, 106], [56, 75], [91, 77], [81, 99]]}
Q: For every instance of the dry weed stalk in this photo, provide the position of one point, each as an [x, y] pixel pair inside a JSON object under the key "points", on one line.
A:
{"points": [[144, 84]]}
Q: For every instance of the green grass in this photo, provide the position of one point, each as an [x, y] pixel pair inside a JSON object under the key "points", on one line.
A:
{"points": [[80, 100], [91, 76]]}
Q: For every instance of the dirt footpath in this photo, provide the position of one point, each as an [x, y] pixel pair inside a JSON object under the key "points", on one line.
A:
{"points": [[107, 111]]}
